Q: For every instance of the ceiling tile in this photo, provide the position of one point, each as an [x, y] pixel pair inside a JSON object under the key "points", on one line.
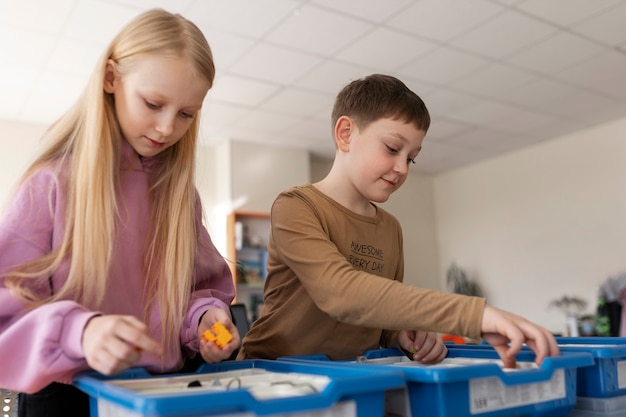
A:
{"points": [[442, 66], [20, 46], [253, 19], [370, 10], [501, 37], [493, 80], [566, 13], [97, 22], [555, 53], [298, 102], [443, 20], [318, 31], [53, 94], [603, 73], [36, 15], [440, 129], [174, 6], [280, 65], [226, 48], [496, 75], [384, 49], [242, 91], [607, 27], [260, 122], [65, 52], [217, 115], [330, 76]]}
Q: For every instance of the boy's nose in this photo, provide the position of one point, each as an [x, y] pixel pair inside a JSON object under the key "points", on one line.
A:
{"points": [[401, 166]]}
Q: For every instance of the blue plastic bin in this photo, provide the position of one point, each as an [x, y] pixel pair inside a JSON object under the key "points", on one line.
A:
{"points": [[606, 378], [478, 386], [350, 392]]}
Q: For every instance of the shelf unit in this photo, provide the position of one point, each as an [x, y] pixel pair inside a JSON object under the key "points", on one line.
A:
{"points": [[247, 238]]}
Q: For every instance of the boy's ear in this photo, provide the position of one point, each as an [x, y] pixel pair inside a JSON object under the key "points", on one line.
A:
{"points": [[110, 75], [343, 129]]}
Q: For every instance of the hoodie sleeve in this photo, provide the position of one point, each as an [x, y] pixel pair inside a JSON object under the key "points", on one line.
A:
{"points": [[213, 284], [41, 345]]}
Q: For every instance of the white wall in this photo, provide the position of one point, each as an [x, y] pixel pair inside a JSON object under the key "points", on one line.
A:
{"points": [[539, 223], [260, 172], [19, 144]]}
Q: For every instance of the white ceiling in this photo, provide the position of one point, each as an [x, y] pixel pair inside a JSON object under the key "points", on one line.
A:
{"points": [[496, 75]]}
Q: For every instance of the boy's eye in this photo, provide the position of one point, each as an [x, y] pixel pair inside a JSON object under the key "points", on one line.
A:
{"points": [[391, 150], [411, 160]]}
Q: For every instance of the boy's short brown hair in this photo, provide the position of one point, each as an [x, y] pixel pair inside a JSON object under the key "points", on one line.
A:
{"points": [[380, 96]]}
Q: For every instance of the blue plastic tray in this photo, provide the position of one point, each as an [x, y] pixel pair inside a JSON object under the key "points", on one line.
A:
{"points": [[606, 378], [357, 392], [479, 386]]}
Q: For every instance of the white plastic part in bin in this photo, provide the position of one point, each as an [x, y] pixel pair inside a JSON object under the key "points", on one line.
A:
{"points": [[9, 403]]}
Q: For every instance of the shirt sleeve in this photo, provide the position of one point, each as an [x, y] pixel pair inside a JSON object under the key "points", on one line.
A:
{"points": [[356, 297], [41, 345], [214, 285]]}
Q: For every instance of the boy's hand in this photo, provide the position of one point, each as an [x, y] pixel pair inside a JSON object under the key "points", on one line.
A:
{"points": [[209, 350], [114, 343], [500, 327], [426, 347]]}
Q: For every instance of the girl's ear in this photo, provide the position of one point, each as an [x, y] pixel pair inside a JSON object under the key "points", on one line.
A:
{"points": [[110, 75], [343, 129]]}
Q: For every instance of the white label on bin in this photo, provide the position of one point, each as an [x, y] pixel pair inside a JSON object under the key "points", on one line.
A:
{"points": [[341, 409], [491, 394], [621, 374]]}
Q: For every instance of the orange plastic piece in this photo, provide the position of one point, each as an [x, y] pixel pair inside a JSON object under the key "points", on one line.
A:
{"points": [[218, 334], [458, 340]]}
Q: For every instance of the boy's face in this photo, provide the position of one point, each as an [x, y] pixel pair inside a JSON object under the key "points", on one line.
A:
{"points": [[379, 157]]}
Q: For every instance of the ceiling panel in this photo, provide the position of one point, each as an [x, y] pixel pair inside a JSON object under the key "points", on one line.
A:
{"points": [[496, 75]]}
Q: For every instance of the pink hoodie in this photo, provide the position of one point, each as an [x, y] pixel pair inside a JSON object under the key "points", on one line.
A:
{"points": [[44, 345]]}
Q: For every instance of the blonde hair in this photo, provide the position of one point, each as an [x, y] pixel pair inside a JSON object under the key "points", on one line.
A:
{"points": [[88, 139]]}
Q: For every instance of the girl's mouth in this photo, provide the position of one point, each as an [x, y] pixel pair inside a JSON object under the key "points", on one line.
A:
{"points": [[155, 143]]}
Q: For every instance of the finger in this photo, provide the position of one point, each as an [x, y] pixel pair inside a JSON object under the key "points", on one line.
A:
{"points": [[436, 354], [508, 360], [134, 333], [424, 348]]}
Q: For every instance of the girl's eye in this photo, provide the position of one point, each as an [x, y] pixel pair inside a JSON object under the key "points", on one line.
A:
{"points": [[151, 106], [186, 115], [411, 160]]}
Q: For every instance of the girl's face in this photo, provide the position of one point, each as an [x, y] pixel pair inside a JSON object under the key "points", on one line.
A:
{"points": [[380, 156], [156, 101]]}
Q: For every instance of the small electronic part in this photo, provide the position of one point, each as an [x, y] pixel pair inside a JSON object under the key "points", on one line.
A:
{"points": [[218, 334], [194, 383]]}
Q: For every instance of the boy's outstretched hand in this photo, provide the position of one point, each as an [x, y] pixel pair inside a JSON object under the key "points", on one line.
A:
{"points": [[425, 347], [500, 327]]}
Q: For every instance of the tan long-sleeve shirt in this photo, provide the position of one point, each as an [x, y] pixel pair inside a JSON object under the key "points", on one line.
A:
{"points": [[334, 284]]}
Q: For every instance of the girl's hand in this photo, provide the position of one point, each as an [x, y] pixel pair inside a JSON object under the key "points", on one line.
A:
{"points": [[210, 351], [506, 332], [426, 347], [113, 343]]}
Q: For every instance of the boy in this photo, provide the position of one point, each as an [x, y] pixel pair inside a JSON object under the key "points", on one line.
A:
{"points": [[335, 265]]}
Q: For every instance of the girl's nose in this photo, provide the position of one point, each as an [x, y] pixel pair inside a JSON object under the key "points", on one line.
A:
{"points": [[165, 124]]}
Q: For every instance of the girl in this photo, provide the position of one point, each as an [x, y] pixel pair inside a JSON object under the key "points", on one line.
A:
{"points": [[104, 261]]}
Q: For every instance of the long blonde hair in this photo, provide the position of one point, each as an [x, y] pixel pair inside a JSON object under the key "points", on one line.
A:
{"points": [[88, 139]]}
